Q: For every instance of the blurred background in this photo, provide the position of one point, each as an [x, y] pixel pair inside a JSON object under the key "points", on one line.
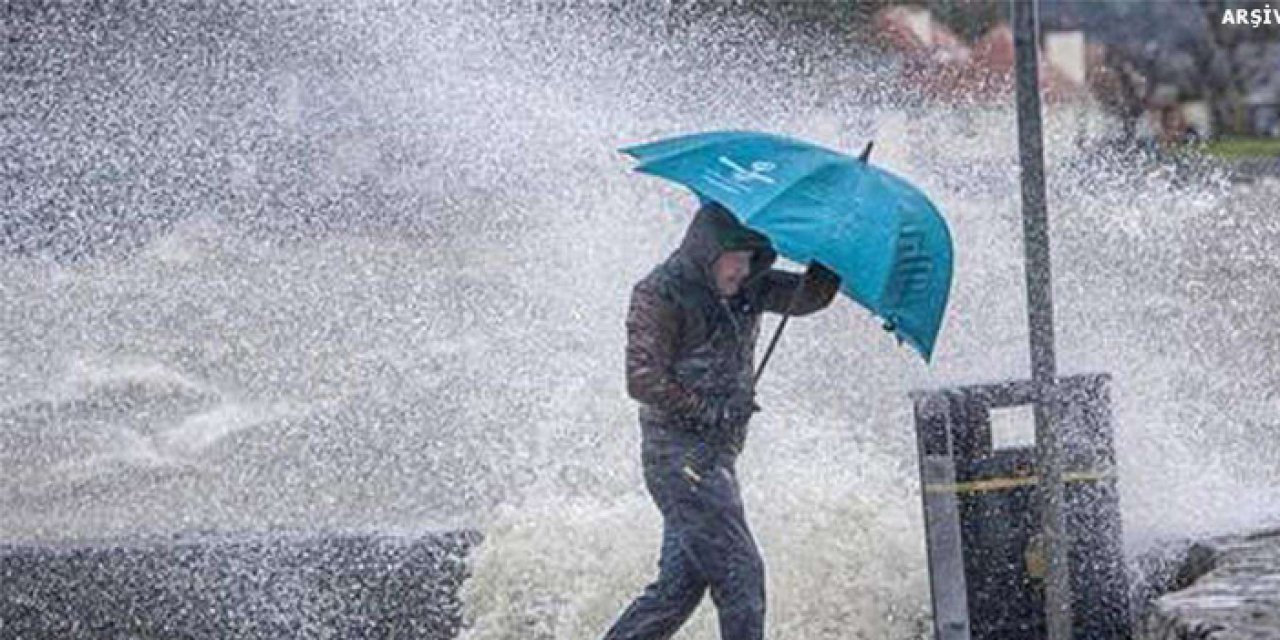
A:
{"points": [[364, 267]]}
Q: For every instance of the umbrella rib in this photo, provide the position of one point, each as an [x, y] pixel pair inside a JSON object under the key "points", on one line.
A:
{"points": [[769, 202]]}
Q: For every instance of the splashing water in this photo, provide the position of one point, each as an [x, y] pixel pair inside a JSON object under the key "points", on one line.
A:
{"points": [[367, 269]]}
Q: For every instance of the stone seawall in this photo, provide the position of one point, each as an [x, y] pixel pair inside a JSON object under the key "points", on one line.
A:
{"points": [[237, 586]]}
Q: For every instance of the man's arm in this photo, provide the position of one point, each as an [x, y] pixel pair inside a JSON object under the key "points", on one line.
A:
{"points": [[820, 287], [653, 326]]}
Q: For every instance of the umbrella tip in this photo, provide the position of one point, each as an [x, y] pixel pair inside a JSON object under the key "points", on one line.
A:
{"points": [[866, 151]]}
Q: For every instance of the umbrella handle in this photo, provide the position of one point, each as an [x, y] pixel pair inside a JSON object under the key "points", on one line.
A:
{"points": [[795, 294]]}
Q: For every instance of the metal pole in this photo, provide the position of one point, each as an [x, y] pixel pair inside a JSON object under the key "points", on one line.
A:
{"points": [[1035, 229]]}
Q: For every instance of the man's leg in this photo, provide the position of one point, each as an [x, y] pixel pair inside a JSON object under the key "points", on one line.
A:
{"points": [[721, 545], [666, 604]]}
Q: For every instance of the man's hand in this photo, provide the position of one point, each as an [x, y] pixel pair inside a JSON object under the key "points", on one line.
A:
{"points": [[740, 407], [817, 276], [731, 410]]}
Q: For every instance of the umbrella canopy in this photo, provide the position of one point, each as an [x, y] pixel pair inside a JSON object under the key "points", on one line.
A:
{"points": [[884, 238]]}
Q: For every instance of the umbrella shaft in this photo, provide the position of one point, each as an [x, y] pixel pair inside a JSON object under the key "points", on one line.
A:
{"points": [[772, 343], [791, 306]]}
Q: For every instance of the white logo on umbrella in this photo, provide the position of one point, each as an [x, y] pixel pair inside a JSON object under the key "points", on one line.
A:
{"points": [[739, 181], [757, 171]]}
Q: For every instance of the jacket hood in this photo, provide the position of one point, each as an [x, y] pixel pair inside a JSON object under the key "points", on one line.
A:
{"points": [[712, 232]]}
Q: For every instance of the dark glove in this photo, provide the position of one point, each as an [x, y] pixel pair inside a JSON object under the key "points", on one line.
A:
{"points": [[739, 408], [817, 276], [729, 410]]}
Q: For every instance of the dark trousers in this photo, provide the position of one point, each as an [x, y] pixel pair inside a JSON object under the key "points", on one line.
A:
{"points": [[705, 545]]}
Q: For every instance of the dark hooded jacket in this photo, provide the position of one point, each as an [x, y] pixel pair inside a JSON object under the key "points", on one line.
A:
{"points": [[686, 344]]}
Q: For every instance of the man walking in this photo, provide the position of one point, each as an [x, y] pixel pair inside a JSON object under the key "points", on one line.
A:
{"points": [[691, 336]]}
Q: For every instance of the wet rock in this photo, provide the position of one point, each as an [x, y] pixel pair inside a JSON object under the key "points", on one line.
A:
{"points": [[1232, 592]]}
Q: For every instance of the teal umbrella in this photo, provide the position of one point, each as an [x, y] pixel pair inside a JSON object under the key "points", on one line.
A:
{"points": [[884, 238]]}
